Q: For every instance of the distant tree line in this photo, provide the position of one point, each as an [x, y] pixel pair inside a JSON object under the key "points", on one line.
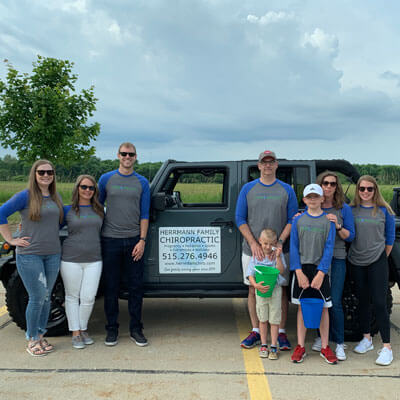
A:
{"points": [[11, 169]]}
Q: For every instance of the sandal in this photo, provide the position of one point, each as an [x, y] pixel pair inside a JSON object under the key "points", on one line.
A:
{"points": [[46, 346], [35, 349]]}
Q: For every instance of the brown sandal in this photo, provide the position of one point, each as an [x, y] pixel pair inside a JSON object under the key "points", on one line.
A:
{"points": [[46, 346], [35, 349]]}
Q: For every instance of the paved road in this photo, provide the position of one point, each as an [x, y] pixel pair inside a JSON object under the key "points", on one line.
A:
{"points": [[194, 353]]}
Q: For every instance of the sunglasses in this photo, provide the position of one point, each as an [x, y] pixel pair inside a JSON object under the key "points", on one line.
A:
{"points": [[43, 172], [86, 187], [124, 154], [368, 189], [327, 183]]}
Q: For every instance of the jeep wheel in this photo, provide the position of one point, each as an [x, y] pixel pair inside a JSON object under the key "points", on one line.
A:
{"points": [[17, 300]]}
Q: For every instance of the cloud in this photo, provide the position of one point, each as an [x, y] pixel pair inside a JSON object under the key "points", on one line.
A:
{"points": [[322, 41], [270, 17], [389, 75]]}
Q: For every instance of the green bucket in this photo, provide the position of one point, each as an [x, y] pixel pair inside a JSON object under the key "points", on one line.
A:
{"points": [[268, 275]]}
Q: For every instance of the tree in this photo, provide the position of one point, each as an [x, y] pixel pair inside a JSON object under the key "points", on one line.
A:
{"points": [[41, 115]]}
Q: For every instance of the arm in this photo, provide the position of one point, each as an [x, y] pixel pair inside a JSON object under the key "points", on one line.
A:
{"points": [[295, 262], [327, 254], [138, 250], [258, 286], [102, 188], [390, 232], [280, 263]]}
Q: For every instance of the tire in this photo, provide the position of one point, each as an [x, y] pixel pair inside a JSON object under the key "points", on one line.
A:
{"points": [[17, 300], [352, 331]]}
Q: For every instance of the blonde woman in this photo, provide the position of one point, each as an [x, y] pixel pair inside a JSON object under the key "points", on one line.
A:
{"points": [[81, 257], [38, 248], [375, 234]]}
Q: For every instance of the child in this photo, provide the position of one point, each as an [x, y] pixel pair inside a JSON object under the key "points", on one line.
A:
{"points": [[268, 308], [311, 247]]}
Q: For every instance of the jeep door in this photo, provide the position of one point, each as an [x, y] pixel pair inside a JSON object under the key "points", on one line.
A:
{"points": [[194, 243]]}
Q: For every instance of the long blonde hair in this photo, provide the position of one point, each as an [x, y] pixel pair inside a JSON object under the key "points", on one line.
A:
{"points": [[94, 201], [377, 199], [36, 196], [338, 197]]}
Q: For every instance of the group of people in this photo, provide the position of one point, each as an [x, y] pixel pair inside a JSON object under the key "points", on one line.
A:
{"points": [[267, 216], [312, 244], [97, 242]]}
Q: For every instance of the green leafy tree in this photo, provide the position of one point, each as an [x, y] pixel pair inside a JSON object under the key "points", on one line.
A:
{"points": [[42, 116]]}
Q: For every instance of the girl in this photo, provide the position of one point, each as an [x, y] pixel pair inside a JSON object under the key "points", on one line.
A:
{"points": [[38, 248], [81, 257], [375, 233]]}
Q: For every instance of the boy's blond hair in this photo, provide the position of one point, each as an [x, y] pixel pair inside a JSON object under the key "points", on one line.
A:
{"points": [[269, 234]]}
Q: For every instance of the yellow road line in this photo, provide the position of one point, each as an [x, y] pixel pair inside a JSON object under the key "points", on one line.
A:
{"points": [[3, 310], [256, 378]]}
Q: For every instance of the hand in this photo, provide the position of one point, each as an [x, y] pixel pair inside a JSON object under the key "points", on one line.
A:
{"points": [[317, 281], [257, 251], [302, 279], [333, 218], [261, 288], [278, 252], [21, 242], [138, 250]]}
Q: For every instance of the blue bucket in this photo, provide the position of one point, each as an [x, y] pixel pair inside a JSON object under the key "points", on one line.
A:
{"points": [[312, 311]]}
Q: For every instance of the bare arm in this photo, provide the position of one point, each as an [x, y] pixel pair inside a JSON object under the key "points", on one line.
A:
{"points": [[6, 233], [388, 249], [138, 250]]}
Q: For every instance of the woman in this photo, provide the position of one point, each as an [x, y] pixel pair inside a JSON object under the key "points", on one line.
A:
{"points": [[339, 213], [375, 234], [38, 248], [81, 257]]}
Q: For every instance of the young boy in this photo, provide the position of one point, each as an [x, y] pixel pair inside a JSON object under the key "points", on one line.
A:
{"points": [[268, 308], [311, 247]]}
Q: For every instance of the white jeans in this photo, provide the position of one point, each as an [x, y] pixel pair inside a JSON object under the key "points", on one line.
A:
{"points": [[81, 281]]}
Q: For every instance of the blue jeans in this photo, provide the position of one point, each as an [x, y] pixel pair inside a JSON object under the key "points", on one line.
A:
{"points": [[117, 260], [39, 274], [338, 275]]}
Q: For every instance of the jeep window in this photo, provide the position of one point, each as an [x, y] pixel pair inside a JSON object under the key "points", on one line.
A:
{"points": [[196, 187], [297, 177]]}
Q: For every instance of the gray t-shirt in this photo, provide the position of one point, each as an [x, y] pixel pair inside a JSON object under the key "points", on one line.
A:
{"points": [[369, 242], [127, 199], [311, 241], [83, 242], [43, 234], [265, 206]]}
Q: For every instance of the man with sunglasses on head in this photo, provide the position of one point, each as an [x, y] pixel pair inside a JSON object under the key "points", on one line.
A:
{"points": [[265, 202], [126, 195]]}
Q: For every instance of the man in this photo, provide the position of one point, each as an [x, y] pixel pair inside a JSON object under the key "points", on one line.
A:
{"points": [[127, 198], [264, 203]]}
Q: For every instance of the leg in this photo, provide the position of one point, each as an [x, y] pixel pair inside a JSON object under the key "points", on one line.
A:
{"points": [[264, 332], [338, 275], [324, 328], [112, 251], [301, 329], [251, 305], [135, 272], [274, 334], [72, 274], [90, 284], [31, 270]]}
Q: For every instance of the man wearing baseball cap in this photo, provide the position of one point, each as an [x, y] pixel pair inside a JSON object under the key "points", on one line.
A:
{"points": [[263, 203]]}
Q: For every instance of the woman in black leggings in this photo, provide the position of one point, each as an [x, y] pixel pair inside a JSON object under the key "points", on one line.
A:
{"points": [[375, 233]]}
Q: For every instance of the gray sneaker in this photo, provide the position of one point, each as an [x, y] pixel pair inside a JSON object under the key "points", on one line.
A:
{"points": [[86, 338], [77, 342]]}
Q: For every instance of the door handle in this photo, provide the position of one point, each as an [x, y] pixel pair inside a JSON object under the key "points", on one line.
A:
{"points": [[221, 222]]}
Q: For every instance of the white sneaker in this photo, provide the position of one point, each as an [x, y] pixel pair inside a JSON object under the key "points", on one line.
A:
{"points": [[340, 354], [385, 356], [364, 346], [317, 345]]}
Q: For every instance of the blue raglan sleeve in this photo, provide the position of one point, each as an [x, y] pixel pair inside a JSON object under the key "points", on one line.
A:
{"points": [[390, 227], [17, 203], [241, 204], [326, 259], [292, 205], [348, 222], [102, 187], [66, 210], [145, 199], [295, 262]]}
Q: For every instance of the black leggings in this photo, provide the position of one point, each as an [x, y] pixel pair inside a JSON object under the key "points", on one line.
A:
{"points": [[371, 282]]}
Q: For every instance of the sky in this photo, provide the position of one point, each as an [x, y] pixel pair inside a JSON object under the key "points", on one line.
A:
{"points": [[210, 80]]}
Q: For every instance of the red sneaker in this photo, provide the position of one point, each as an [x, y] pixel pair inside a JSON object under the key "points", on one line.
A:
{"points": [[298, 354], [328, 355]]}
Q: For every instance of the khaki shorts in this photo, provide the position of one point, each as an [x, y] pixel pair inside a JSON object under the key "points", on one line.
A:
{"points": [[269, 308]]}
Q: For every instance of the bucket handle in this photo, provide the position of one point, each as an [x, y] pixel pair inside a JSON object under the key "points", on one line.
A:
{"points": [[319, 290]]}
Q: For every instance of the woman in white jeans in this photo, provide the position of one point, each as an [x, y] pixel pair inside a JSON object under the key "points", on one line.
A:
{"points": [[81, 257]]}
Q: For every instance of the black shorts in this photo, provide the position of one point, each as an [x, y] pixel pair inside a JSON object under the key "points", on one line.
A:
{"points": [[310, 270]]}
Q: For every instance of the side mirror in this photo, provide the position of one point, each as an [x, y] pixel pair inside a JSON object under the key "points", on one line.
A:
{"points": [[158, 201]]}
